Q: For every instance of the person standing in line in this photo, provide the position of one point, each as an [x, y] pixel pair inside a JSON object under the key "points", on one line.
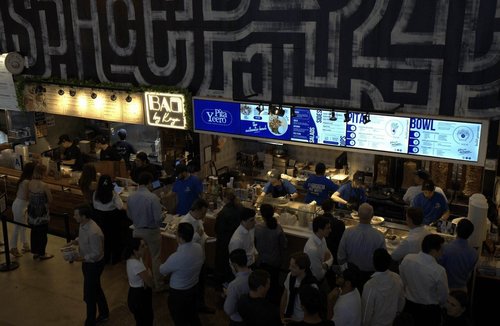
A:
{"points": [[319, 187], [344, 301], [71, 156], [413, 242], [124, 148], [300, 274], [351, 194], [271, 243], [459, 258], [88, 182], [432, 203], [456, 309], [91, 253], [144, 209], [425, 282], [184, 266], [108, 153], [187, 187], [413, 191], [107, 205], [226, 222], [142, 164], [320, 256], [19, 207], [254, 308], [383, 295], [311, 300], [358, 244], [337, 227], [195, 217], [140, 280], [244, 236], [237, 287], [38, 212]]}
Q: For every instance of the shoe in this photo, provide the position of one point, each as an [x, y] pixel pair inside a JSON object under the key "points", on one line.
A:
{"points": [[206, 310], [101, 319], [46, 256], [14, 252]]}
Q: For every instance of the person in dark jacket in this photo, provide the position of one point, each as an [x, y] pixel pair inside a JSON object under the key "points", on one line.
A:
{"points": [[124, 148], [141, 164], [226, 222], [71, 154], [337, 226], [108, 153]]}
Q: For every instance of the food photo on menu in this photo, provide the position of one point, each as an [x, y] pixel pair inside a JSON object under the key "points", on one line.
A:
{"points": [[266, 121]]}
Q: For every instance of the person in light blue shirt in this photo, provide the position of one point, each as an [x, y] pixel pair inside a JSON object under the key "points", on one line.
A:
{"points": [[459, 258], [351, 194], [238, 287], [432, 203], [318, 186], [187, 187], [184, 265]]}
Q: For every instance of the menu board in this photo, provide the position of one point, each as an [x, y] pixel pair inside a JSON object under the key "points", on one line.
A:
{"points": [[448, 139], [382, 133], [399, 135]]}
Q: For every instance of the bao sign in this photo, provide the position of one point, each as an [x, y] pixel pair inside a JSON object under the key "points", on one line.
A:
{"points": [[165, 110]]}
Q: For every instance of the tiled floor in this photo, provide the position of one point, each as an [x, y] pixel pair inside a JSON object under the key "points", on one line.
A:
{"points": [[51, 293]]}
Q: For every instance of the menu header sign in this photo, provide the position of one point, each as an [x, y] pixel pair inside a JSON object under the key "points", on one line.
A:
{"points": [[429, 137], [165, 110], [8, 98]]}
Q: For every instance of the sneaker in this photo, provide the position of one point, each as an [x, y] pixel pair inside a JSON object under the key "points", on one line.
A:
{"points": [[46, 256], [14, 252]]}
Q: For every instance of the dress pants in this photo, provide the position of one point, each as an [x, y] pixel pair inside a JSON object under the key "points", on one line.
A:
{"points": [[428, 315], [141, 305], [92, 291], [39, 238], [182, 305], [152, 237]]}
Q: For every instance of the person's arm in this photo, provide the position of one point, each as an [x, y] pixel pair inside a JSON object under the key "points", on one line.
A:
{"points": [[48, 193], [96, 244], [69, 162], [170, 265], [290, 189], [337, 197], [283, 303], [367, 306], [442, 289], [328, 258], [157, 212], [231, 302], [400, 251], [117, 201], [446, 213], [341, 251], [316, 263], [147, 277], [407, 196], [331, 300]]}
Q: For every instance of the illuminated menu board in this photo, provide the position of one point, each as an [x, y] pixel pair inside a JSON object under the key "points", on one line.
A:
{"points": [[393, 134]]}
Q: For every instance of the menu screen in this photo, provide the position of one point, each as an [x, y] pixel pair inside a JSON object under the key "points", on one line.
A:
{"points": [[448, 139], [382, 133], [443, 139]]}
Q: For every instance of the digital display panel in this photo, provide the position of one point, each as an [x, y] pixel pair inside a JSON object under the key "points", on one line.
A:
{"points": [[393, 134]]}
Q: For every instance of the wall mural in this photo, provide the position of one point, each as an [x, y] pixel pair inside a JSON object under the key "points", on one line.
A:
{"points": [[436, 56]]}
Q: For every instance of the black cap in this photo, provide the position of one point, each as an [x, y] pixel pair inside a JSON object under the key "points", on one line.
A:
{"points": [[274, 174], [63, 138], [422, 174]]}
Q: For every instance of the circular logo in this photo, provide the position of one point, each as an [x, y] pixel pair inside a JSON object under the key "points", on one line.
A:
{"points": [[463, 135], [217, 117], [394, 128]]}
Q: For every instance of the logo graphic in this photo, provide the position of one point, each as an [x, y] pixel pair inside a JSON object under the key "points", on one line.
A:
{"points": [[218, 117]]}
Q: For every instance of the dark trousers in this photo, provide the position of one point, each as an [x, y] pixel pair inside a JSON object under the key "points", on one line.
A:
{"points": [[182, 305], [38, 238], [110, 224], [201, 286], [364, 276], [274, 293], [141, 305], [428, 315], [92, 291]]}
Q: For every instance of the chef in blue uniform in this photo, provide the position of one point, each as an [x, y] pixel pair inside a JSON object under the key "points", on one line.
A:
{"points": [[277, 187], [352, 194], [318, 186]]}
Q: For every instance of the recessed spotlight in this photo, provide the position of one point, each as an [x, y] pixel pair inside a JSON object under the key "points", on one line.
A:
{"points": [[113, 97], [61, 92], [72, 92], [128, 98], [93, 95]]}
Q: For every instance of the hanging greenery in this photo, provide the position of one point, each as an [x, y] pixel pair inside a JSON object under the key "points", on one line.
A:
{"points": [[21, 81]]}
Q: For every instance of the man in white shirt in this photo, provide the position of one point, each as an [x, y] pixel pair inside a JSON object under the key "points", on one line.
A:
{"points": [[413, 191], [344, 301], [184, 265], [195, 217], [383, 295], [425, 282], [244, 236], [413, 242], [320, 256]]}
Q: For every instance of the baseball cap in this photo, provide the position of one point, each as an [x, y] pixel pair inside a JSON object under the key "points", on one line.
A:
{"points": [[422, 174], [122, 132], [63, 138], [274, 174]]}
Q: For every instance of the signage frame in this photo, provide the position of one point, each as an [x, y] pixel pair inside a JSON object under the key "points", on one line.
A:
{"points": [[151, 117]]}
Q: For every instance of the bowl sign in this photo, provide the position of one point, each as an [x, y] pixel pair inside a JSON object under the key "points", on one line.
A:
{"points": [[165, 110]]}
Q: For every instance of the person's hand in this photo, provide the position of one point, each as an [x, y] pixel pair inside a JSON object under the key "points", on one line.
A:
{"points": [[349, 205], [328, 255], [334, 294]]}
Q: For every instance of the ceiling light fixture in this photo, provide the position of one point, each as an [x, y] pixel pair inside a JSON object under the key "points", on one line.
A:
{"points": [[113, 97], [128, 98], [93, 95], [61, 92], [72, 92]]}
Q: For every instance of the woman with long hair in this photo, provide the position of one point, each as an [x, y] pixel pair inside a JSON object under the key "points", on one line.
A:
{"points": [[140, 281], [38, 212], [226, 222], [107, 205], [271, 243], [19, 207], [88, 182]]}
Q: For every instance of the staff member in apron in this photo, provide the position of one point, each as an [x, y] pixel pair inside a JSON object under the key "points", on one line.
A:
{"points": [[351, 194], [277, 187]]}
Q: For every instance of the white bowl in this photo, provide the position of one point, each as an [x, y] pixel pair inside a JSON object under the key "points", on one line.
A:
{"points": [[376, 220]]}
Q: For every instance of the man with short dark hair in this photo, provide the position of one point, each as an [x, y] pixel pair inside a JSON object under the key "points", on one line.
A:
{"points": [[317, 250], [351, 194], [413, 191], [71, 156], [184, 265], [144, 209], [124, 148], [91, 253], [108, 153], [432, 203], [238, 287], [425, 281], [344, 301], [244, 236], [254, 308], [187, 187], [413, 242], [459, 258], [318, 186], [337, 228]]}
